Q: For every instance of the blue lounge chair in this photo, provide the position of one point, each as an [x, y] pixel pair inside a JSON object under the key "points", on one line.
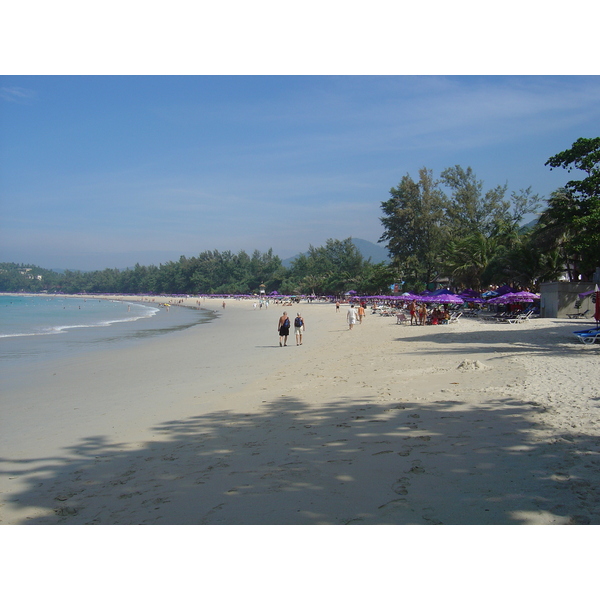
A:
{"points": [[588, 336]]}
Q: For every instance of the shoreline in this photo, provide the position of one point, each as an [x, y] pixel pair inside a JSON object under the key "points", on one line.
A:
{"points": [[94, 330], [379, 425]]}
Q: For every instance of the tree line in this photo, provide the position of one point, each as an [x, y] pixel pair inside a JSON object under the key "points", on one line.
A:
{"points": [[329, 269], [451, 229], [447, 230]]}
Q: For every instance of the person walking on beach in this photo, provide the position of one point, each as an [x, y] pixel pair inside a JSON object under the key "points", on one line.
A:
{"points": [[299, 327], [351, 316], [284, 329], [337, 307], [361, 313]]}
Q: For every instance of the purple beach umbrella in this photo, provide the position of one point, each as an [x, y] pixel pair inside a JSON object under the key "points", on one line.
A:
{"points": [[443, 299], [512, 297]]}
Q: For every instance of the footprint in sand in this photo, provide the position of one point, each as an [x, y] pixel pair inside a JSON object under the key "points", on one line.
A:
{"points": [[394, 504], [127, 496], [428, 516], [417, 469], [400, 487], [66, 511]]}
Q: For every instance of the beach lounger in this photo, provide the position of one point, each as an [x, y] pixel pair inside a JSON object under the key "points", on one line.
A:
{"points": [[578, 315], [496, 316], [520, 318], [401, 319], [454, 317], [588, 336]]}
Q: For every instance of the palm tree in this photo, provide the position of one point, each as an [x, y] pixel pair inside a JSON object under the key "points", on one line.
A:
{"points": [[554, 233], [312, 284], [468, 258]]}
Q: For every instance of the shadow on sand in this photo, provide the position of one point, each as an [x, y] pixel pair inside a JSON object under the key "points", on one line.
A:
{"points": [[350, 462], [508, 338]]}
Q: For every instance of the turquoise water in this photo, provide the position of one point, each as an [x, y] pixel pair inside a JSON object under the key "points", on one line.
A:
{"points": [[40, 315], [38, 327]]}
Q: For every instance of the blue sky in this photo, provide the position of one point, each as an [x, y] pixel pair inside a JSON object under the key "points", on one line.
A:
{"points": [[107, 171]]}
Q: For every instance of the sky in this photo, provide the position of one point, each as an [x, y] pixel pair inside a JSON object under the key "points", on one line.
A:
{"points": [[156, 135], [106, 171]]}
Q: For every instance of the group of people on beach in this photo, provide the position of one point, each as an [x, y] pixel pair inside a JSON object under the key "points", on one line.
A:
{"points": [[355, 314], [421, 316]]}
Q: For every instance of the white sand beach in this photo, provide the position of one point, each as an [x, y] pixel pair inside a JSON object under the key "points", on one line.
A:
{"points": [[469, 423]]}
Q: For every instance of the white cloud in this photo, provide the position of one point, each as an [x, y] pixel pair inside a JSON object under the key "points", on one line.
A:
{"points": [[17, 94]]}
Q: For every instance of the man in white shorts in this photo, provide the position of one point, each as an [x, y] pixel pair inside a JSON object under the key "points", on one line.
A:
{"points": [[351, 316]]}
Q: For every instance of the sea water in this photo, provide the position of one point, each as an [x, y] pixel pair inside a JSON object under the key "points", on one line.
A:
{"points": [[49, 326], [47, 315]]}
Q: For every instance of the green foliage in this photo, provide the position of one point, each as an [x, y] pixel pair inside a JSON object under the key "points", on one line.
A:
{"points": [[468, 258], [416, 226], [470, 211], [330, 269], [377, 279], [524, 263], [575, 210], [467, 236], [584, 155], [210, 272], [26, 278]]}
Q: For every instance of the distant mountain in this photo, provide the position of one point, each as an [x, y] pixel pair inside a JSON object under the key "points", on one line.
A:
{"points": [[369, 250], [528, 226], [373, 251]]}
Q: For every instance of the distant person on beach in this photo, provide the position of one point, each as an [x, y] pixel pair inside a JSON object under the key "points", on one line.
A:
{"points": [[361, 313], [299, 327], [351, 316], [337, 307], [423, 314], [223, 303], [412, 307], [284, 329]]}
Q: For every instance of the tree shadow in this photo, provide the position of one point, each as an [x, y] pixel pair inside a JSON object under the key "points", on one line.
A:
{"points": [[511, 339], [348, 461]]}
